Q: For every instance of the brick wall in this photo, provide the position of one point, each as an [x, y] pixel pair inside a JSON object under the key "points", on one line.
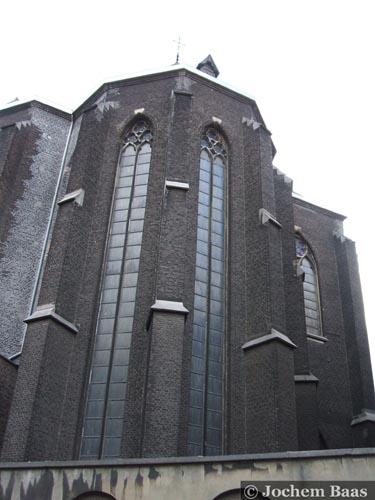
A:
{"points": [[263, 293], [32, 142]]}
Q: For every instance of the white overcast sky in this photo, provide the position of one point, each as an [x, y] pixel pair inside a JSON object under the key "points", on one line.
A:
{"points": [[309, 65]]}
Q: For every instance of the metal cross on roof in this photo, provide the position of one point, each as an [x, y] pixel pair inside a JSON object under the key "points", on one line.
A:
{"points": [[179, 44]]}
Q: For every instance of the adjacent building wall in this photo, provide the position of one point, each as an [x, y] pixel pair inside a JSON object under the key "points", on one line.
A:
{"points": [[181, 479], [32, 143], [328, 356]]}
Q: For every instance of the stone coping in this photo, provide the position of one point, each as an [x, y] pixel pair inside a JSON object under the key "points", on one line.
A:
{"points": [[135, 462]]}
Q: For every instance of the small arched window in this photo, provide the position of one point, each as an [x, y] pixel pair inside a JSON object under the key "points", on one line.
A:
{"points": [[306, 267]]}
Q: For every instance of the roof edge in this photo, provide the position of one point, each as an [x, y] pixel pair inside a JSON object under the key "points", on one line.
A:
{"points": [[136, 462], [159, 72], [39, 103], [68, 113], [322, 210]]}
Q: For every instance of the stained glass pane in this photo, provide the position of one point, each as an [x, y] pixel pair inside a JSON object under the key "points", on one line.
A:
{"points": [[205, 417], [310, 288], [103, 421], [301, 248]]}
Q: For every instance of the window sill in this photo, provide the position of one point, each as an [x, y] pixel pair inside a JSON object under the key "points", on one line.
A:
{"points": [[317, 338]]}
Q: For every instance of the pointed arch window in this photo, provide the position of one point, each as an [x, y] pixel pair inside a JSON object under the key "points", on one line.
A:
{"points": [[306, 267], [103, 419], [206, 389]]}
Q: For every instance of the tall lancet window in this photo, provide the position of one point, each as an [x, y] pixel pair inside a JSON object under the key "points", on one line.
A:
{"points": [[103, 421], [206, 392], [307, 268]]}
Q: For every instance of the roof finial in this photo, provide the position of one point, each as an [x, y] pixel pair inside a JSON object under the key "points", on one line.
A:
{"points": [[179, 44], [208, 66], [14, 100]]}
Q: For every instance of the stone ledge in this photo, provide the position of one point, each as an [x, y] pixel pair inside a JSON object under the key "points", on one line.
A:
{"points": [[365, 416], [47, 311], [177, 185], [76, 196], [265, 217], [306, 378], [166, 306], [183, 92], [136, 462], [270, 337], [317, 338], [169, 306]]}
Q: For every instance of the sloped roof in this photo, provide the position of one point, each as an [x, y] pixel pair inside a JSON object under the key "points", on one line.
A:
{"points": [[132, 76], [39, 102]]}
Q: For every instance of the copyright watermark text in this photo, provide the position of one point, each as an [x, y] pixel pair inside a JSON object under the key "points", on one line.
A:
{"points": [[299, 490]]}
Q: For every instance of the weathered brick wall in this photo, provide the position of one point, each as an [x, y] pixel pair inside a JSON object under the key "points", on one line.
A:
{"points": [[8, 375], [32, 142], [305, 387], [73, 270], [328, 360], [46, 417]]}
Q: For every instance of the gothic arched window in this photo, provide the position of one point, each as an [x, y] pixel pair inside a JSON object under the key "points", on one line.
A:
{"points": [[307, 268], [206, 390], [103, 420]]}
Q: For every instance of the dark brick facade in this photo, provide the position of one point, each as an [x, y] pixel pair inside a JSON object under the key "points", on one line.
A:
{"points": [[32, 143], [283, 390], [8, 375]]}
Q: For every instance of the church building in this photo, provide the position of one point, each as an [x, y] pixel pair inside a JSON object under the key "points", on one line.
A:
{"points": [[168, 304]]}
